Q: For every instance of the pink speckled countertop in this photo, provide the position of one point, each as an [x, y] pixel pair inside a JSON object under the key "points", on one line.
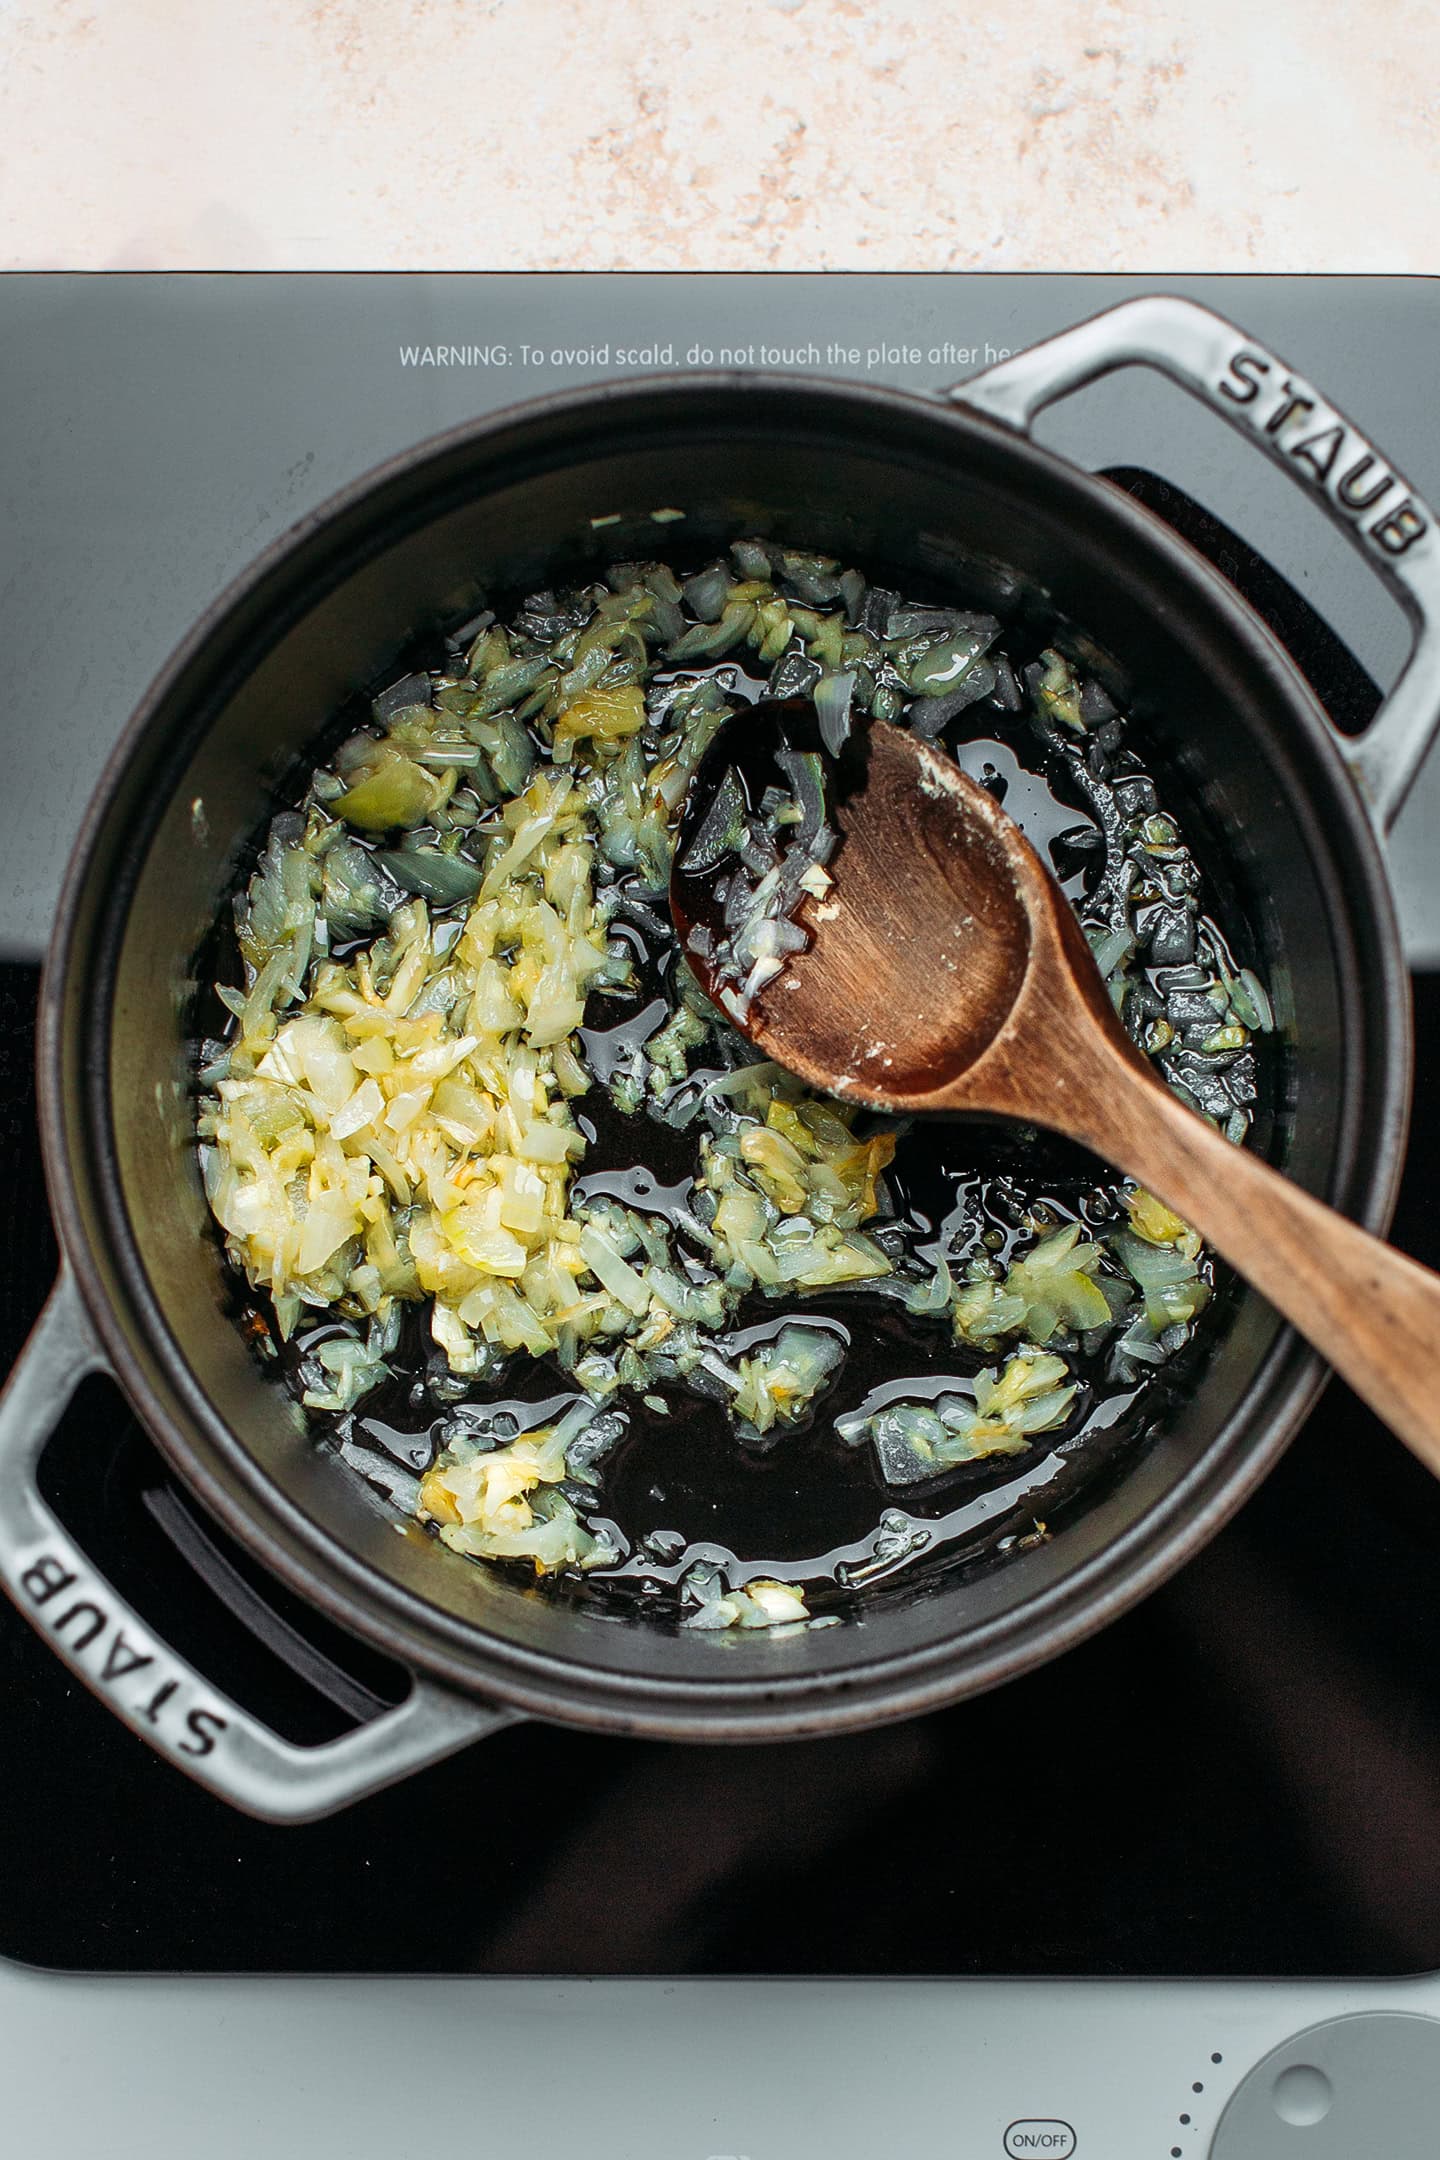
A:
{"points": [[726, 134]]}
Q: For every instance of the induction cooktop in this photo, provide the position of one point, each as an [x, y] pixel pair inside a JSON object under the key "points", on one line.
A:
{"points": [[1237, 1782]]}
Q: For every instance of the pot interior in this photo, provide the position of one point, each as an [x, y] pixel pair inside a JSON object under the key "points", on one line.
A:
{"points": [[959, 508]]}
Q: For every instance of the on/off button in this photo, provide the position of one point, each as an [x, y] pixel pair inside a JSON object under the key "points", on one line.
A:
{"points": [[1035, 2139]]}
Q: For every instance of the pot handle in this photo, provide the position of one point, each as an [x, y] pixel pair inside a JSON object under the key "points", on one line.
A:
{"points": [[149, 1686], [1260, 396]]}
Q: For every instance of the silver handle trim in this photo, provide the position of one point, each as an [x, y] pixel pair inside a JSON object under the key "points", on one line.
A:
{"points": [[1258, 394], [149, 1686]]}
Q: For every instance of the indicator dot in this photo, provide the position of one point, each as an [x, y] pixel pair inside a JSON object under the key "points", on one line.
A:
{"points": [[1197, 2087], [1217, 2058], [1185, 2119], [1175, 2153]]}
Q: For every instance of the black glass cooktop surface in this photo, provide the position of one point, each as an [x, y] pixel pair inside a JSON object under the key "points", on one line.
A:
{"points": [[1240, 1777]]}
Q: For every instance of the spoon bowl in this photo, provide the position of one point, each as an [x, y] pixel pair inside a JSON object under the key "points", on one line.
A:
{"points": [[930, 869]]}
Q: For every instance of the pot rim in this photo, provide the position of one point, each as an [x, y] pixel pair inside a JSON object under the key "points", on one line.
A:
{"points": [[92, 1224]]}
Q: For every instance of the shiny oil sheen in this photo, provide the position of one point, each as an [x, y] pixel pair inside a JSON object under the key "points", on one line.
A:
{"points": [[804, 1506]]}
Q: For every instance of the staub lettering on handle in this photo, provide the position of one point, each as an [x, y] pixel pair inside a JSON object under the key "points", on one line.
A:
{"points": [[1333, 456], [70, 1605]]}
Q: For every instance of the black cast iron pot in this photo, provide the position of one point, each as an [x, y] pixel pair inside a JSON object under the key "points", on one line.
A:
{"points": [[926, 486]]}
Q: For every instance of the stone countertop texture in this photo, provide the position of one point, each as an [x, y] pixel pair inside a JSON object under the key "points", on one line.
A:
{"points": [[721, 134]]}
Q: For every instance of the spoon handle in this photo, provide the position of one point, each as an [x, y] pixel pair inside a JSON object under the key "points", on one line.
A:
{"points": [[1372, 1313]]}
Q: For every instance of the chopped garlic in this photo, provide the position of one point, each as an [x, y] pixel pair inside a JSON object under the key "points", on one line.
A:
{"points": [[379, 1093], [1160, 1225], [500, 1504]]}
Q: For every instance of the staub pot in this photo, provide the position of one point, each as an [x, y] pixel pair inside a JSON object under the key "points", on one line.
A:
{"points": [[1294, 814]]}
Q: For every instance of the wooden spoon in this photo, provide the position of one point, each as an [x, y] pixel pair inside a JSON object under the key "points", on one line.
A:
{"points": [[946, 971]]}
